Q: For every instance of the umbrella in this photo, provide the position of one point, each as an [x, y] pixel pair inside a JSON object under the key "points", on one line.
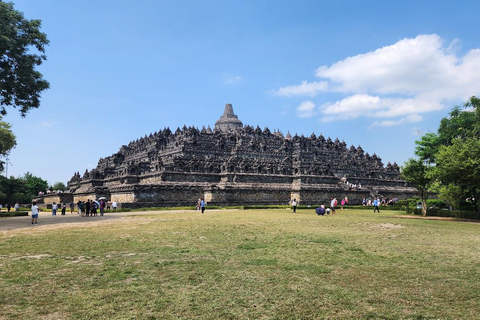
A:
{"points": [[102, 198]]}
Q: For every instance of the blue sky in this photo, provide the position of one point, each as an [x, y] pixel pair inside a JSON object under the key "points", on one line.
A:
{"points": [[371, 73]]}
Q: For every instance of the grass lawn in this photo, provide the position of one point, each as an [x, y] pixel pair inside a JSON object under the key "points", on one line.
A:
{"points": [[233, 264]]}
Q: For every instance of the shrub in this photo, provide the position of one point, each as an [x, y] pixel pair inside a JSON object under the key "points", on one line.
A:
{"points": [[449, 213], [14, 214]]}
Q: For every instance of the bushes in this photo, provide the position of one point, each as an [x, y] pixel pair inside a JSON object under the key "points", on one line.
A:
{"points": [[14, 214], [449, 213]]}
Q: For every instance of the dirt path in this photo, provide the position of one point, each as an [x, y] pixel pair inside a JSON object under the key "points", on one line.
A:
{"points": [[47, 221], [437, 218]]}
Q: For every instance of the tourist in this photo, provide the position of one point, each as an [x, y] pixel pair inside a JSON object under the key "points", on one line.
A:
{"points": [[8, 207], [376, 203], [364, 202], [64, 208], [320, 210], [346, 201], [198, 204], [202, 205], [88, 206], [17, 206], [333, 204], [34, 213], [342, 203], [108, 205], [72, 207], [102, 207], [79, 206], [294, 205], [114, 205], [82, 209], [54, 209], [94, 207]]}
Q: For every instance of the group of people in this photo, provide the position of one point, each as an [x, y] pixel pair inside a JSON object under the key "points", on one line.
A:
{"points": [[89, 208], [9, 206], [85, 208], [333, 206], [201, 204], [381, 201], [322, 210]]}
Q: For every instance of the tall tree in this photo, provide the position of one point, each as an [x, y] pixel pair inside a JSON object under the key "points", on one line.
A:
{"points": [[7, 141], [454, 153], [22, 49], [420, 175], [34, 184], [459, 164]]}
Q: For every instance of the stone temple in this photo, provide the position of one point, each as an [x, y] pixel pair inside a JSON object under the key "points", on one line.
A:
{"points": [[235, 164]]}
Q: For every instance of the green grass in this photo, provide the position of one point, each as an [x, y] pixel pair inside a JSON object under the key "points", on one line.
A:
{"points": [[236, 264]]}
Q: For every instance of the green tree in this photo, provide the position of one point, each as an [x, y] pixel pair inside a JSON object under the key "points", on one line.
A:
{"points": [[420, 175], [451, 194], [453, 154], [7, 141], [34, 184], [22, 49], [59, 186], [459, 164]]}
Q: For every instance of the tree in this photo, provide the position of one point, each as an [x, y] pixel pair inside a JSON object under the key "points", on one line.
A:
{"points": [[459, 164], [451, 194], [420, 175], [22, 49], [454, 154], [7, 141], [34, 184], [59, 186]]}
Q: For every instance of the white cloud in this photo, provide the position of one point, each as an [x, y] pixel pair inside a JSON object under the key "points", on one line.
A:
{"points": [[306, 110], [47, 123], [389, 123], [304, 89], [411, 77], [230, 79]]}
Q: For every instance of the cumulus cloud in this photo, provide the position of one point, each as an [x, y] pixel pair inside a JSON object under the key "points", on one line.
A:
{"points": [[230, 79], [306, 109], [413, 76]]}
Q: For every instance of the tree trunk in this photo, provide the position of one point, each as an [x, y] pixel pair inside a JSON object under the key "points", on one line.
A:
{"points": [[424, 204]]}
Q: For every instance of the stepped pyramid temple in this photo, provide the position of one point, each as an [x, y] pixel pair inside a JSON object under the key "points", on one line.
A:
{"points": [[235, 164]]}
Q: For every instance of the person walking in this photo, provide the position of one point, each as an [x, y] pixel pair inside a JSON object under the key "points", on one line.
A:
{"points": [[102, 207], [34, 213], [294, 205], [54, 209], [64, 208], [333, 204], [72, 207], [202, 205], [376, 203]]}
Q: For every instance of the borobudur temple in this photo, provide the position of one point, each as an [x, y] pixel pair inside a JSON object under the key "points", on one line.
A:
{"points": [[233, 165]]}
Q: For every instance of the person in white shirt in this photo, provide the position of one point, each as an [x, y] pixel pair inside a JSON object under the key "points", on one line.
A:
{"points": [[294, 205], [34, 212]]}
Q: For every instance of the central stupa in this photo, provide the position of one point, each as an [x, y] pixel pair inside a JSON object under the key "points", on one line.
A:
{"points": [[228, 121]]}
